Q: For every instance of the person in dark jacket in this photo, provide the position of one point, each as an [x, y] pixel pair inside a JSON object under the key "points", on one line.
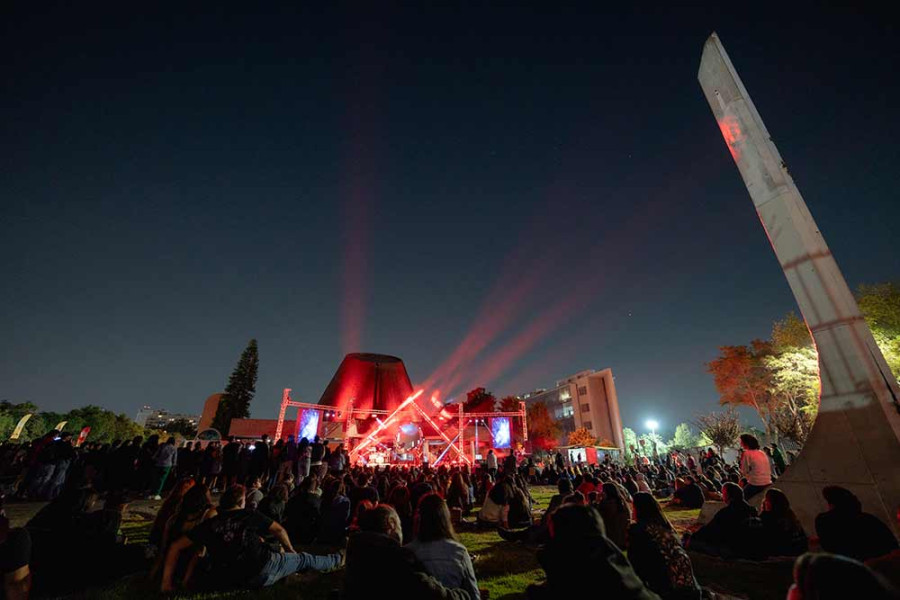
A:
{"points": [[782, 533], [656, 554], [689, 495], [845, 529], [578, 548], [335, 513], [733, 531], [376, 551], [615, 512], [301, 514]]}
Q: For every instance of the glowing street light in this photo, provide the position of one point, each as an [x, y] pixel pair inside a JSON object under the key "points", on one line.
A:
{"points": [[652, 426]]}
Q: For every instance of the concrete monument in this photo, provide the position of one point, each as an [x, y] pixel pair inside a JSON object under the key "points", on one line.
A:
{"points": [[855, 442]]}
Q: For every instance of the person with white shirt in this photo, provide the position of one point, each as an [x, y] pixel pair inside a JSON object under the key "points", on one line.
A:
{"points": [[755, 466]]}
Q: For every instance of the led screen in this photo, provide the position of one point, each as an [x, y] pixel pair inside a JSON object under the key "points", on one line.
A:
{"points": [[309, 424], [500, 432]]}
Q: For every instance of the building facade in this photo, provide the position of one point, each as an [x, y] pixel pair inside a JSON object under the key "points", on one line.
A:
{"points": [[160, 418], [586, 399]]}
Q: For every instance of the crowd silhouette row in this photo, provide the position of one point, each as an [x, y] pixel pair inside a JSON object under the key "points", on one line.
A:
{"points": [[293, 507]]}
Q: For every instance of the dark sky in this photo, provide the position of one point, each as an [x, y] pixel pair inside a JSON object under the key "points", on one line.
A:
{"points": [[176, 183]]}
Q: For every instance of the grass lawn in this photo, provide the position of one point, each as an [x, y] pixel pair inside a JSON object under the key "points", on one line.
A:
{"points": [[504, 569]]}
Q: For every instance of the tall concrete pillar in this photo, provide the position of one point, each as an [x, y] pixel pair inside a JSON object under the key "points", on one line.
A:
{"points": [[855, 442]]}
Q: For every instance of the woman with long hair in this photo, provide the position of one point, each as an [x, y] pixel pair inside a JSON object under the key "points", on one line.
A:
{"points": [[196, 507], [436, 546], [782, 533], [615, 513], [458, 494], [656, 553], [335, 511], [169, 507], [399, 498], [301, 514]]}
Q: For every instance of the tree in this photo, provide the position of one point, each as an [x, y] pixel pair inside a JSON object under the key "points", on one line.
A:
{"points": [[235, 403], [794, 384], [630, 440], [543, 430], [480, 400], [684, 438], [183, 427], [653, 444], [790, 333], [722, 428], [742, 379], [582, 437], [880, 305]]}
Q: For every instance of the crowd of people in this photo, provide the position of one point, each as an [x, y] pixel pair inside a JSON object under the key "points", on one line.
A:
{"points": [[607, 522]]}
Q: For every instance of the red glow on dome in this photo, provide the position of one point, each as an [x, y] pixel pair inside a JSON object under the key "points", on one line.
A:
{"points": [[731, 131], [370, 382]]}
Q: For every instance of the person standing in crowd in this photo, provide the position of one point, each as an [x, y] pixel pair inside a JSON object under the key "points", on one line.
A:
{"points": [[259, 460], [165, 459], [656, 554], [377, 549], [492, 463], [63, 459], [777, 458], [845, 529], [436, 546], [230, 458], [754, 466], [239, 556], [317, 454]]}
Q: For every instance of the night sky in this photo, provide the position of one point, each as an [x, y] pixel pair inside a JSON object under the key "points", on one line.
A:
{"points": [[551, 182]]}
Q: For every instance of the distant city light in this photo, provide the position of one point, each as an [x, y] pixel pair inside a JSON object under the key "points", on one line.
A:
{"points": [[652, 425]]}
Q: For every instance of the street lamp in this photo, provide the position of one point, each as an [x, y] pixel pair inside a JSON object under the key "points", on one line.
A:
{"points": [[652, 425]]}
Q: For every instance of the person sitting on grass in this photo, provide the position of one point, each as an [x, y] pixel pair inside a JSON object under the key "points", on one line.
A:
{"points": [[733, 531], [239, 556], [274, 503], [495, 510], [437, 547], [15, 554], [687, 494], [169, 508], [301, 514], [755, 466], [195, 507], [845, 529], [255, 494], [335, 513], [782, 533], [378, 566], [615, 512], [540, 533], [656, 554], [578, 549], [833, 577]]}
